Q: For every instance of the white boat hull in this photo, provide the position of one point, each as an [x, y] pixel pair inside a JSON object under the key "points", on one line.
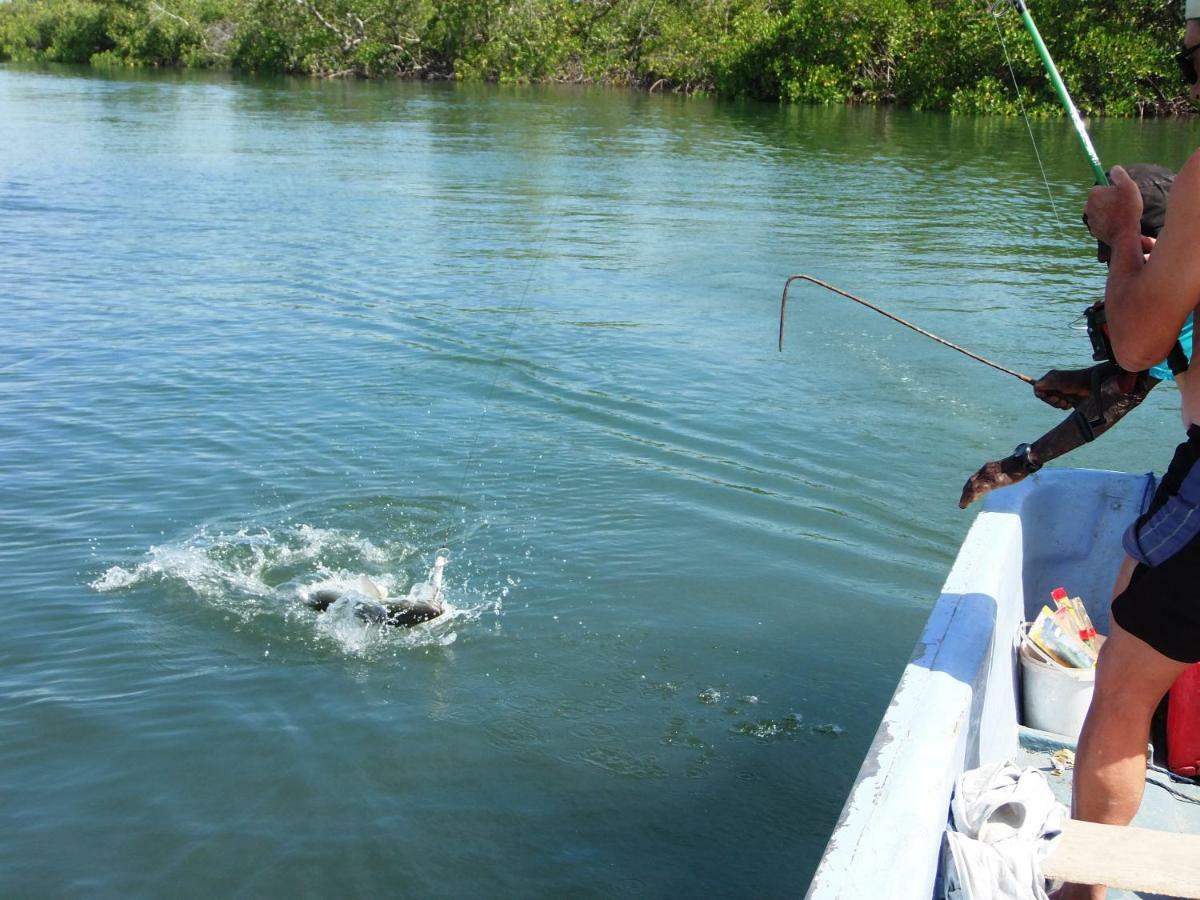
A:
{"points": [[957, 705]]}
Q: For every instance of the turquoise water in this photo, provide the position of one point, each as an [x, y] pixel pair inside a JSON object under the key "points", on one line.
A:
{"points": [[262, 335]]}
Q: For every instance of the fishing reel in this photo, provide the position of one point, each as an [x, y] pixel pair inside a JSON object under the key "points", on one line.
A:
{"points": [[1097, 329]]}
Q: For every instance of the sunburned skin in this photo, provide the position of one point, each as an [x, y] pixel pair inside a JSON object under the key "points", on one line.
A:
{"points": [[1149, 297], [1141, 212]]}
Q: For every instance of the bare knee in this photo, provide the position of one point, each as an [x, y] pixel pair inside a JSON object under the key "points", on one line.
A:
{"points": [[1131, 673]]}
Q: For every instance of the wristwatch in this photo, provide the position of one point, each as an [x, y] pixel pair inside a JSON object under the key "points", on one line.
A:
{"points": [[1022, 453]]}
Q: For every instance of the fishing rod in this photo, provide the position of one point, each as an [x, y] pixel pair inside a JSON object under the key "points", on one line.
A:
{"points": [[1085, 142], [894, 318], [1061, 90]]}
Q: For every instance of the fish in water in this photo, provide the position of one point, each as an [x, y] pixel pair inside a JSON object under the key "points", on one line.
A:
{"points": [[371, 603]]}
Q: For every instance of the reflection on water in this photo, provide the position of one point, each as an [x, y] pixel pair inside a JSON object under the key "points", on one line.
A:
{"points": [[263, 334]]}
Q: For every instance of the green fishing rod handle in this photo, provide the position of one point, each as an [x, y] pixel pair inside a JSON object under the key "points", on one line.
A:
{"points": [[1061, 90]]}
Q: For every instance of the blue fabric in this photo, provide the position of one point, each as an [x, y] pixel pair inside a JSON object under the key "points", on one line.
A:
{"points": [[1168, 532], [1162, 371], [1173, 519]]}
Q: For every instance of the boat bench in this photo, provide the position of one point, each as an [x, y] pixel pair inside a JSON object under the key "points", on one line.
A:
{"points": [[1132, 859]]}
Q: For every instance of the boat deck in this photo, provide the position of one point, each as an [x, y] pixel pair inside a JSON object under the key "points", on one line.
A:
{"points": [[959, 704], [1167, 805]]}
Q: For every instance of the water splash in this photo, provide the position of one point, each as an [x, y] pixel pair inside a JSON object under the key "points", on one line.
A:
{"points": [[260, 573]]}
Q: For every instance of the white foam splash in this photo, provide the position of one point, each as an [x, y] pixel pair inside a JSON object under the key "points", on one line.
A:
{"points": [[343, 627], [251, 573], [191, 564], [115, 579]]}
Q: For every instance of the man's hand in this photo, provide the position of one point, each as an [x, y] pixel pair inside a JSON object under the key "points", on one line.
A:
{"points": [[1148, 246], [1064, 389], [1112, 212], [996, 474], [1147, 302]]}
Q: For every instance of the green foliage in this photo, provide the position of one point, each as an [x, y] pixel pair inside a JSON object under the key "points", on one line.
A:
{"points": [[150, 36], [928, 54], [58, 31], [834, 51], [115, 32], [523, 40]]}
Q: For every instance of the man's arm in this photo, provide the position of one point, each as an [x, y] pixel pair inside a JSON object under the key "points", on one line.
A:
{"points": [[1071, 432], [1148, 300]]}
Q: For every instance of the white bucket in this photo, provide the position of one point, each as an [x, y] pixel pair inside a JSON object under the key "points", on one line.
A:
{"points": [[1056, 699]]}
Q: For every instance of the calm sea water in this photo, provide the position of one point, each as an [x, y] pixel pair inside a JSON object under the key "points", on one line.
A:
{"points": [[258, 335]]}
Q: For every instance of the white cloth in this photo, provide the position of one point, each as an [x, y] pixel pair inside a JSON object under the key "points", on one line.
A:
{"points": [[1005, 821]]}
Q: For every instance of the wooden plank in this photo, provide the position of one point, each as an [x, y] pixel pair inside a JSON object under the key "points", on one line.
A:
{"points": [[1132, 859]]}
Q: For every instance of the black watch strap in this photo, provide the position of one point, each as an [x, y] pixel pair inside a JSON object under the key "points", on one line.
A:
{"points": [[1022, 453]]}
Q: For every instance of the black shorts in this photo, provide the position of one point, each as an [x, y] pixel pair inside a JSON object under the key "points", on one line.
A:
{"points": [[1161, 605]]}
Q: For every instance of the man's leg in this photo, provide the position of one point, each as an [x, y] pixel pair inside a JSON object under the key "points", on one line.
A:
{"points": [[1110, 767]]}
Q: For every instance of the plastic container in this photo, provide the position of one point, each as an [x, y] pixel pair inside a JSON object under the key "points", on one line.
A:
{"points": [[1056, 699], [1077, 610], [1183, 724]]}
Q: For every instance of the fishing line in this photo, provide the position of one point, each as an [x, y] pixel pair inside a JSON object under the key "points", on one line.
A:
{"points": [[894, 318], [1064, 98], [995, 14], [1060, 88], [504, 348]]}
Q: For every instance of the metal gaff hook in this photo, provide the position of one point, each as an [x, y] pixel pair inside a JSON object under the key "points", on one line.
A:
{"points": [[884, 312]]}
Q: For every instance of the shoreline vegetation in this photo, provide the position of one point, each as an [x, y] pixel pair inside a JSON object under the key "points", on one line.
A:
{"points": [[925, 54]]}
